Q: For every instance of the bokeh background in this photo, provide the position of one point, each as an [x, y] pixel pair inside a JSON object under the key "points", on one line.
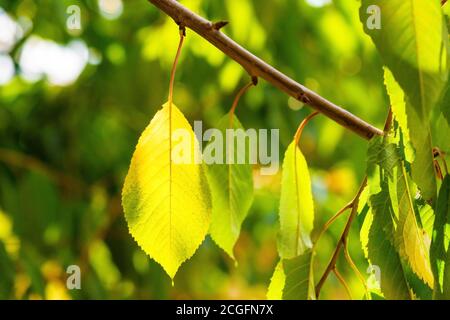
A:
{"points": [[74, 102]]}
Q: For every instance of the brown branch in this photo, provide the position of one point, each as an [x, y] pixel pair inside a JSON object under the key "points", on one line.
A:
{"points": [[259, 68]]}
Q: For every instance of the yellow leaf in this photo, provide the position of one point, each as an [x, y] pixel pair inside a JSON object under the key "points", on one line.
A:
{"points": [[165, 196], [277, 282], [296, 205]]}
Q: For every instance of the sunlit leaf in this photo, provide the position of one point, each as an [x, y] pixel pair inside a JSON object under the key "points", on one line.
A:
{"points": [[409, 236], [420, 137], [364, 231], [165, 196], [397, 100], [277, 282], [422, 167], [293, 276], [296, 205], [382, 159], [413, 43]]}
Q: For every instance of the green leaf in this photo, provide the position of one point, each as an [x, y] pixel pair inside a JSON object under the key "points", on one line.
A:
{"points": [[299, 283], [441, 132], [393, 208], [439, 253], [413, 43], [441, 122], [364, 231], [397, 100], [293, 279], [379, 226], [165, 196], [409, 237], [427, 217], [419, 138], [296, 205], [231, 187], [277, 282], [293, 276], [422, 167], [382, 252]]}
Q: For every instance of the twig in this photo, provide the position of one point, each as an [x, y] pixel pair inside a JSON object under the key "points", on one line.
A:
{"points": [[342, 281], [259, 68], [355, 270], [342, 241], [331, 220]]}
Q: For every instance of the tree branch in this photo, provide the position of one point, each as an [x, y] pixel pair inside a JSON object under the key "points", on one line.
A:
{"points": [[259, 68]]}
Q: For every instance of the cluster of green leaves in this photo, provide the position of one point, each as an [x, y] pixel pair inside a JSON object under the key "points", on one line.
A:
{"points": [[403, 230]]}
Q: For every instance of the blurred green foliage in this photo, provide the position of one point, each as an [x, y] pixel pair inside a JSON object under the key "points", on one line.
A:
{"points": [[65, 150]]}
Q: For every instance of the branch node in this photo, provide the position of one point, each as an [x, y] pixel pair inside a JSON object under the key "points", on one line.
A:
{"points": [[219, 25], [304, 98], [255, 80], [182, 30]]}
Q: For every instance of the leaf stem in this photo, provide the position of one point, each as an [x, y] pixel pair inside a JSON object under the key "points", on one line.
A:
{"points": [[236, 100], [175, 63], [355, 269], [331, 221], [342, 281], [302, 125]]}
